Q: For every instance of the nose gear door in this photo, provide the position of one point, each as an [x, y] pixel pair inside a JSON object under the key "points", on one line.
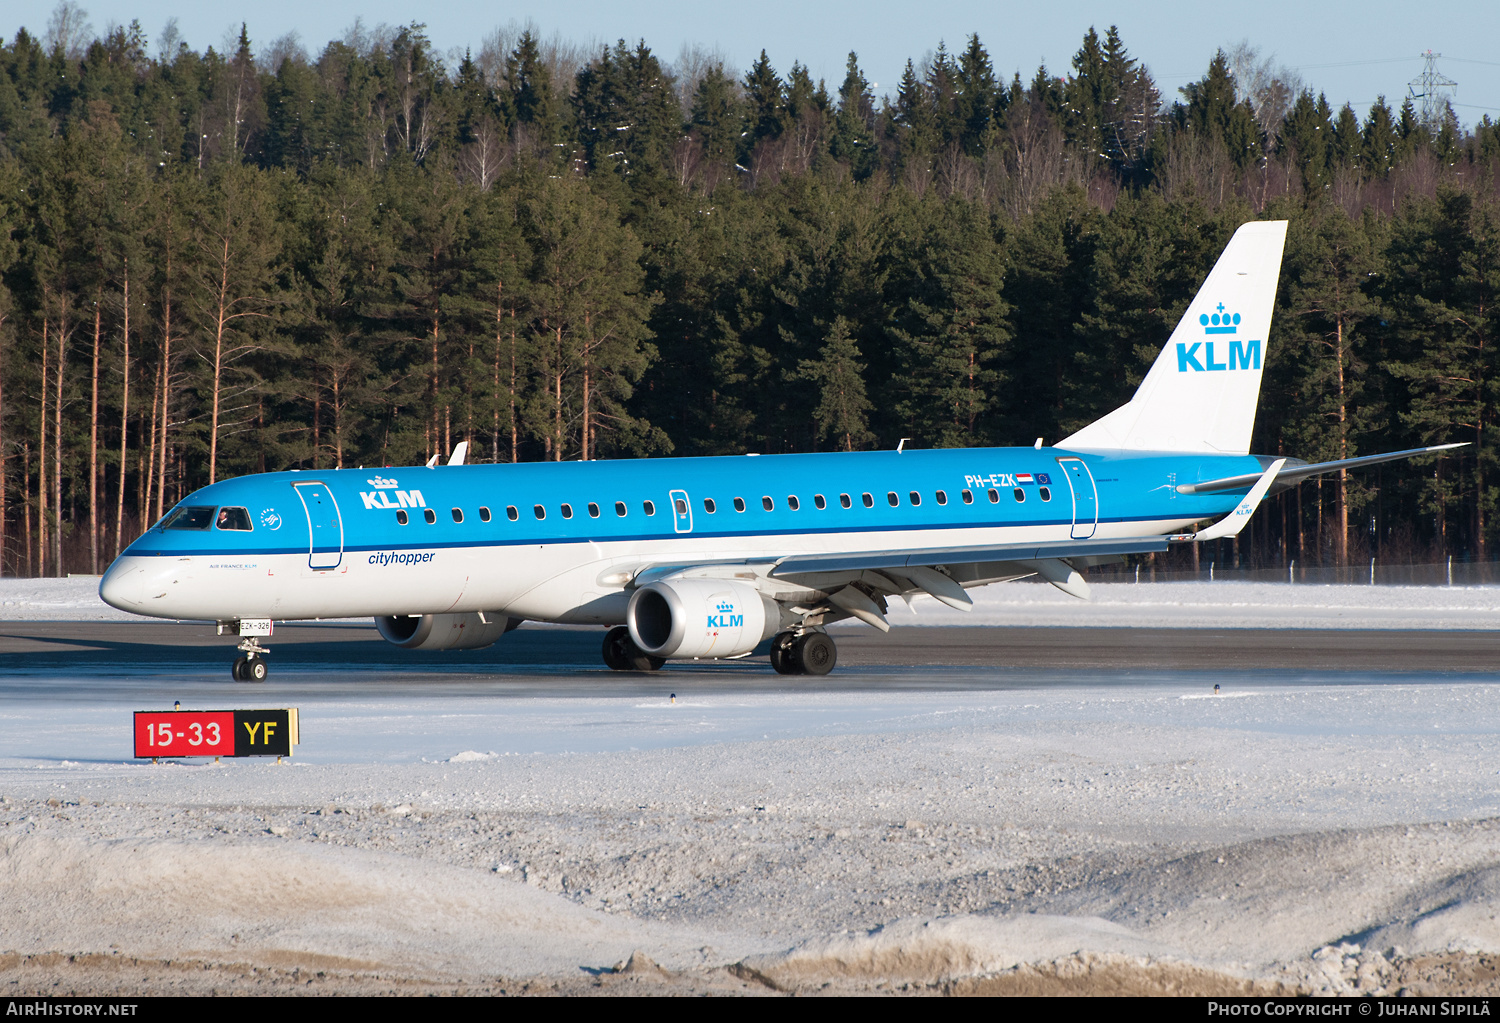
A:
{"points": [[1085, 497], [325, 527]]}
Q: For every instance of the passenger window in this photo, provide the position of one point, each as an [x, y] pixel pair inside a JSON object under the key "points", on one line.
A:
{"points": [[739, 504], [593, 510], [792, 502], [818, 502], [680, 505], [894, 500], [708, 505], [567, 511], [649, 506], [968, 496], [458, 514], [235, 518], [511, 513], [484, 514], [430, 516], [942, 498], [767, 504], [1020, 496], [844, 500], [869, 501], [994, 496], [620, 508], [916, 499], [1046, 493], [539, 511], [190, 518], [401, 518]]}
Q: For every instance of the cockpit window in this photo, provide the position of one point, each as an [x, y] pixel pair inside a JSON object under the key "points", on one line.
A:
{"points": [[194, 517], [234, 518]]}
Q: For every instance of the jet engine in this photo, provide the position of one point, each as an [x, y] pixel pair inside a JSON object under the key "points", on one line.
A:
{"points": [[444, 632], [700, 618]]}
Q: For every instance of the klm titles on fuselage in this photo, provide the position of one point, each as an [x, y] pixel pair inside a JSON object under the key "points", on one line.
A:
{"points": [[381, 496], [1241, 355]]}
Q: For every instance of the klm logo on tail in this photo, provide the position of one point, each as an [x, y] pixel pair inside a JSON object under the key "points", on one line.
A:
{"points": [[1241, 355]]}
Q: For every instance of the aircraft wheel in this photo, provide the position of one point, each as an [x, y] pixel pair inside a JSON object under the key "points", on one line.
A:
{"points": [[617, 647], [816, 653], [238, 671], [783, 654], [256, 670], [641, 661]]}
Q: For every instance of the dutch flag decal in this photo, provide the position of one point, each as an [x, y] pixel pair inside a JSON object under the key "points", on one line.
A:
{"points": [[1024, 479]]}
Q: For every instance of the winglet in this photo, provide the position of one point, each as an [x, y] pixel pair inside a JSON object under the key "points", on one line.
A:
{"points": [[1231, 524]]}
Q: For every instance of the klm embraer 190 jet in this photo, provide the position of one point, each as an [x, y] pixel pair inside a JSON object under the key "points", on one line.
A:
{"points": [[711, 557]]}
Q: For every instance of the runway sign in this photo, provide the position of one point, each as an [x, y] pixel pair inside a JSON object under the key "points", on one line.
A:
{"points": [[215, 733]]}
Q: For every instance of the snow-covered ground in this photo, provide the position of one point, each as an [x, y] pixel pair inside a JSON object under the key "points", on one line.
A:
{"points": [[1319, 833], [1081, 831], [1184, 604]]}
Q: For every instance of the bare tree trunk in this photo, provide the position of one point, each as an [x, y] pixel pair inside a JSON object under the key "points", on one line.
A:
{"points": [[94, 446], [62, 356], [26, 502], [499, 318], [41, 456], [515, 425], [557, 426], [587, 335], [166, 404], [148, 474], [124, 411], [338, 425], [221, 320], [1341, 548]]}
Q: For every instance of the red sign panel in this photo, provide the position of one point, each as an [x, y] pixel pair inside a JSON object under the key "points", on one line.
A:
{"points": [[185, 733]]}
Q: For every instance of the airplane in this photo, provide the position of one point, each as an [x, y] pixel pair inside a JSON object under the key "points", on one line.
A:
{"points": [[694, 558]]}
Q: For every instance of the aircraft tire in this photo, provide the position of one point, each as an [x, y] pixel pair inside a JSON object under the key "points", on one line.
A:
{"points": [[783, 657], [256, 670], [816, 653], [617, 647], [238, 670]]}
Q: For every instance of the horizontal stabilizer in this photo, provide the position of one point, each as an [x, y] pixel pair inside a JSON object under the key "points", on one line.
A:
{"points": [[1298, 473]]}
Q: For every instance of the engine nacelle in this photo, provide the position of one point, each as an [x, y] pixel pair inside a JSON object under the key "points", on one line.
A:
{"points": [[444, 632], [700, 618]]}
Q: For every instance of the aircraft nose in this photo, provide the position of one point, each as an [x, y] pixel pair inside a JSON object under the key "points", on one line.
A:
{"points": [[122, 585]]}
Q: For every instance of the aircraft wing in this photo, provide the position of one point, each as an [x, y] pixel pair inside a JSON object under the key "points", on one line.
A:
{"points": [[803, 564]]}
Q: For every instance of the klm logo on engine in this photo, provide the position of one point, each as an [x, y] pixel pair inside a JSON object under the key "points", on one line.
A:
{"points": [[726, 618], [1199, 357], [381, 496]]}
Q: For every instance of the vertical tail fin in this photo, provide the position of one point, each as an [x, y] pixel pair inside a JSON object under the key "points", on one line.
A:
{"points": [[1201, 393]]}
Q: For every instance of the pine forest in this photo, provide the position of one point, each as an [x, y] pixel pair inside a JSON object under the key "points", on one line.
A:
{"points": [[217, 263]]}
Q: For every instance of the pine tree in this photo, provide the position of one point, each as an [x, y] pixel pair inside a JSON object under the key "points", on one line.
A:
{"points": [[843, 410]]}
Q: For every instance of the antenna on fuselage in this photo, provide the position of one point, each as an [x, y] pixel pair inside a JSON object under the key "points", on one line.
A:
{"points": [[902, 444]]}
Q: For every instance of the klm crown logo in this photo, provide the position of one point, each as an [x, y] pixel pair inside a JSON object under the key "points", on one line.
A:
{"points": [[1199, 357], [725, 607], [1220, 322]]}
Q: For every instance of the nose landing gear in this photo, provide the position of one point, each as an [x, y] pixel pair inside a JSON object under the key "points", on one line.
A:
{"points": [[251, 665]]}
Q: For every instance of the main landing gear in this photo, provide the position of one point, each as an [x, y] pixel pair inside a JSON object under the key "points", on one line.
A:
{"points": [[621, 653], [812, 653]]}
